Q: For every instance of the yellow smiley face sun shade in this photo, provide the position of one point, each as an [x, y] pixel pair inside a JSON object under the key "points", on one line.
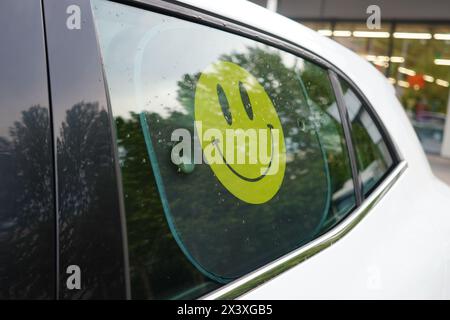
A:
{"points": [[240, 132]]}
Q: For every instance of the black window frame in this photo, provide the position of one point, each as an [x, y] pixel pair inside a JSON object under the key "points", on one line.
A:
{"points": [[346, 124]]}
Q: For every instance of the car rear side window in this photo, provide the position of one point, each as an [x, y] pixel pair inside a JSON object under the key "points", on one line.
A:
{"points": [[372, 154], [232, 152]]}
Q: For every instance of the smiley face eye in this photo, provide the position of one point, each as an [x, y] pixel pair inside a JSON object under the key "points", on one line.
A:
{"points": [[246, 100], [223, 101]]}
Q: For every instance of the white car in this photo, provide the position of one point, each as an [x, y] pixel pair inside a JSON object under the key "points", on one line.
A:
{"points": [[206, 149]]}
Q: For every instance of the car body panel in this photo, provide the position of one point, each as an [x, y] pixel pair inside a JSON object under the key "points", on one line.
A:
{"points": [[27, 216]]}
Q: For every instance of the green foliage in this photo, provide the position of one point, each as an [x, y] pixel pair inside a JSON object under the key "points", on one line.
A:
{"points": [[215, 230]]}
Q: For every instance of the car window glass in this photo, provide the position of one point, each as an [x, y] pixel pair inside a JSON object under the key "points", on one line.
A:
{"points": [[231, 151], [372, 155]]}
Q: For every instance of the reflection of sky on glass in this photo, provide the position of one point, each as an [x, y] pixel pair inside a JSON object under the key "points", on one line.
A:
{"points": [[146, 54]]}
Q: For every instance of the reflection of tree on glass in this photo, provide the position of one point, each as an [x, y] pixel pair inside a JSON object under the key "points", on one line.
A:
{"points": [[234, 233], [321, 113], [27, 212], [85, 179], [218, 231], [156, 262]]}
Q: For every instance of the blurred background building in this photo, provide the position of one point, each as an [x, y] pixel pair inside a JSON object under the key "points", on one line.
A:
{"points": [[411, 48]]}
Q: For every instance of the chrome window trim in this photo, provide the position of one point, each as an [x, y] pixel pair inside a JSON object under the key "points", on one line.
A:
{"points": [[268, 272]]}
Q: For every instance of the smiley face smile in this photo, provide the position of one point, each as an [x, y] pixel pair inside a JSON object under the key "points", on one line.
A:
{"points": [[216, 141]]}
